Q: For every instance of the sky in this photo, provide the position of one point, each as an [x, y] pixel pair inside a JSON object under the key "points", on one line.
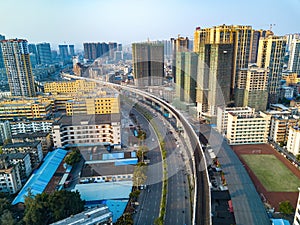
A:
{"points": [[127, 21]]}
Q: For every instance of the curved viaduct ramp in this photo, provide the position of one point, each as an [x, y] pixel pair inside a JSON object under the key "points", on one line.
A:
{"points": [[202, 197]]}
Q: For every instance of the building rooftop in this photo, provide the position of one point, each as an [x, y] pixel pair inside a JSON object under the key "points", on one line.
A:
{"points": [[247, 205], [103, 191], [104, 169], [18, 155], [92, 216], [89, 119], [22, 144], [41, 176], [31, 135]]}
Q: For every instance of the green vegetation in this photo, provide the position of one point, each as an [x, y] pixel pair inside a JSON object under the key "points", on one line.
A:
{"points": [[47, 208], [73, 157], [272, 173], [286, 208], [125, 219]]}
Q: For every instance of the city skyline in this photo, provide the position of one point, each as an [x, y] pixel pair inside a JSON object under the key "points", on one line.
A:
{"points": [[119, 21]]}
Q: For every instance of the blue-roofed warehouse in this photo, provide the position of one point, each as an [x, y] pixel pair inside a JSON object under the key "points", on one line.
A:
{"points": [[40, 178]]}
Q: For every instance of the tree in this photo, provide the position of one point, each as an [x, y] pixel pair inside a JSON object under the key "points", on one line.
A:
{"points": [[286, 208], [4, 205], [47, 208], [142, 150], [73, 157], [7, 218], [298, 157], [139, 176]]}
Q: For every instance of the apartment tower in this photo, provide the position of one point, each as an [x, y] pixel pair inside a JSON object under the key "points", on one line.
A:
{"points": [[18, 67]]}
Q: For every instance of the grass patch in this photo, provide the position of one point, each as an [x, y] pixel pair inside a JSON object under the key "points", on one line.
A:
{"points": [[272, 173]]}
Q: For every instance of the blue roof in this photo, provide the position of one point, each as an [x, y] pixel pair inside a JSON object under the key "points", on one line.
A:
{"points": [[123, 162], [41, 176], [280, 222], [118, 155]]}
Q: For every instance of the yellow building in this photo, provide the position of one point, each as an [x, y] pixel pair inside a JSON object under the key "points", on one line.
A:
{"points": [[69, 87], [291, 79], [243, 38], [106, 104], [33, 108], [271, 53]]}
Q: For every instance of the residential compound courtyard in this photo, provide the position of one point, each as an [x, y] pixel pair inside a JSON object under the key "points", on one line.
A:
{"points": [[274, 177]]}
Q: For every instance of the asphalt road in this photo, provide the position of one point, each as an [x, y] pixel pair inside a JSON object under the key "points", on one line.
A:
{"points": [[178, 207]]}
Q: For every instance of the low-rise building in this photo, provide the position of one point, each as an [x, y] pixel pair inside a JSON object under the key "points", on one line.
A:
{"points": [[69, 87], [87, 129], [279, 129], [22, 160], [94, 104], [293, 142], [27, 126], [33, 108], [43, 137], [222, 116], [10, 181], [98, 215], [5, 131], [33, 148], [252, 128]]}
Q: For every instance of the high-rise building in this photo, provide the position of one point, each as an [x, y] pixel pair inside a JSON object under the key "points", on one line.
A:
{"points": [[241, 37], [289, 40], [271, 53], [186, 76], [294, 58], [252, 88], [148, 63], [18, 67], [213, 79], [63, 52], [179, 44], [44, 53], [2, 37], [94, 50], [112, 48], [32, 48], [72, 50], [257, 34]]}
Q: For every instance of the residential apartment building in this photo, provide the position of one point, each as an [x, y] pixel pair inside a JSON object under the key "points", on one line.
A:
{"points": [[243, 39], [294, 57], [43, 137], [148, 64], [213, 79], [280, 124], [222, 116], [293, 143], [179, 44], [18, 67], [271, 53], [5, 131], [33, 148], [186, 76], [69, 87], [252, 88], [22, 161], [252, 128], [44, 53], [10, 181], [37, 108], [105, 104], [76, 130], [26, 126]]}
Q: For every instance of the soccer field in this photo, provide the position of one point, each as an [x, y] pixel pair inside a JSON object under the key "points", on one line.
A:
{"points": [[272, 173]]}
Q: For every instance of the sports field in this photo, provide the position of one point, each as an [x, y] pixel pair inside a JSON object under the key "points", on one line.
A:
{"points": [[272, 173]]}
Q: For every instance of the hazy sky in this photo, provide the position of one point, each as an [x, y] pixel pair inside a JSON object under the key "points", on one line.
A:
{"points": [[126, 21]]}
